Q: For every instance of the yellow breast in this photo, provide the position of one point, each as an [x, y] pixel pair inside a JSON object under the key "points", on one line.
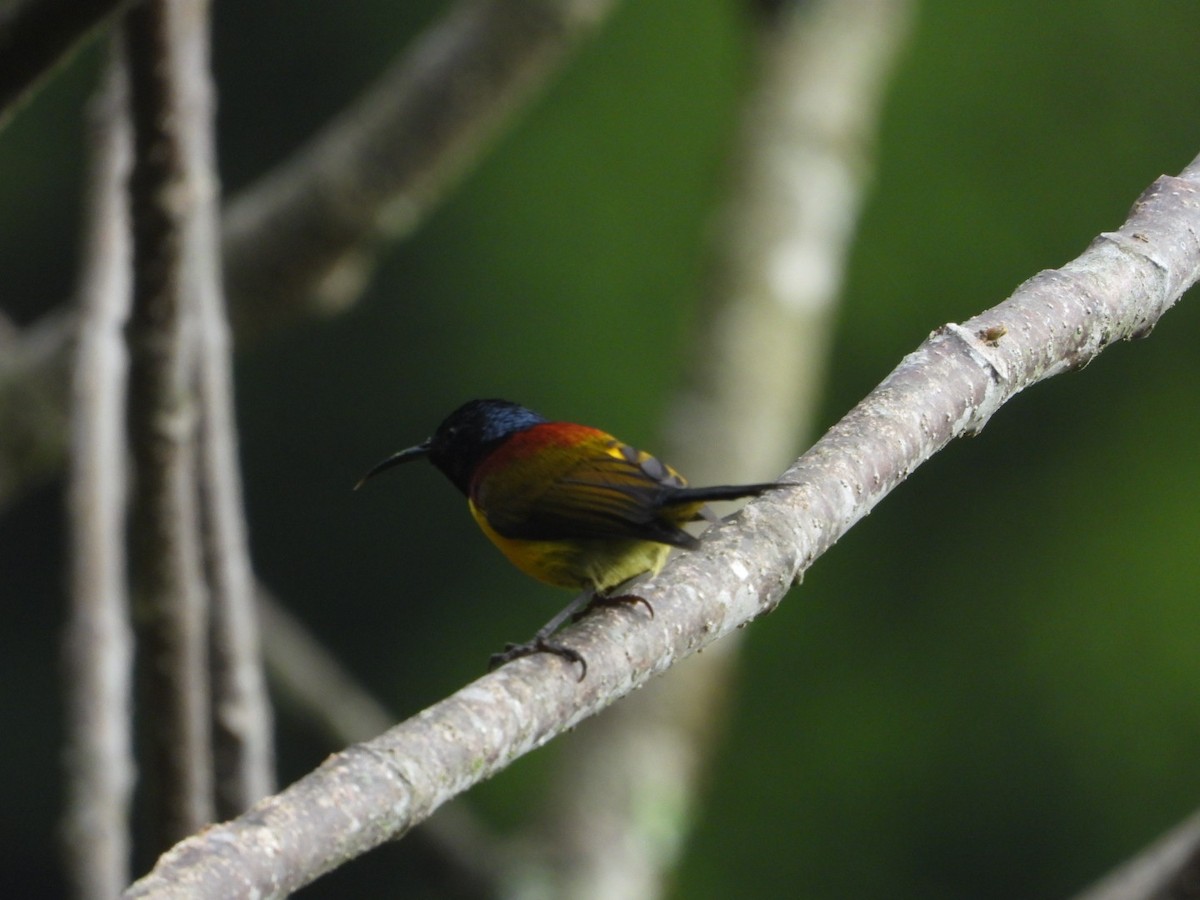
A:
{"points": [[578, 563]]}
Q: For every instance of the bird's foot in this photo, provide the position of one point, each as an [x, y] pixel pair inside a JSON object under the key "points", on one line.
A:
{"points": [[601, 600], [538, 645]]}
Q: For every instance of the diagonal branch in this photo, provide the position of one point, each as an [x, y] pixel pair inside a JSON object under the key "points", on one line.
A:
{"points": [[949, 387]]}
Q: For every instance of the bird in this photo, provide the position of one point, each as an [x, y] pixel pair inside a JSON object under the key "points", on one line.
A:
{"points": [[567, 504]]}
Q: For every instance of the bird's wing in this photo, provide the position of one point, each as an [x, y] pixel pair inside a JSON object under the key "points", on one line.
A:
{"points": [[597, 489]]}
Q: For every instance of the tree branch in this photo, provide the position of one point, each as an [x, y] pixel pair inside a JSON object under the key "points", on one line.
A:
{"points": [[949, 387], [38, 35], [243, 738], [98, 645], [167, 567]]}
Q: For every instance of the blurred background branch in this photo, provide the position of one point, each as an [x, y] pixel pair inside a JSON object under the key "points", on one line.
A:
{"points": [[98, 645], [243, 728]]}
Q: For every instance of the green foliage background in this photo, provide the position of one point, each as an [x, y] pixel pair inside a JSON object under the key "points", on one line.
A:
{"points": [[988, 689]]}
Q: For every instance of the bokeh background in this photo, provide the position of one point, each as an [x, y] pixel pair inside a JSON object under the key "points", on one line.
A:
{"points": [[989, 688]]}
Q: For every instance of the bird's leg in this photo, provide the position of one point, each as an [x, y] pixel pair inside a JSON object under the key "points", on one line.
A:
{"points": [[541, 643]]}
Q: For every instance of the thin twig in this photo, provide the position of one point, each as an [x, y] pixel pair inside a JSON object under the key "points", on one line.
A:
{"points": [[38, 35], [167, 567], [949, 387], [98, 647]]}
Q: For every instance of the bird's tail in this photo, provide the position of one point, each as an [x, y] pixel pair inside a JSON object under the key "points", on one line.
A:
{"points": [[684, 495]]}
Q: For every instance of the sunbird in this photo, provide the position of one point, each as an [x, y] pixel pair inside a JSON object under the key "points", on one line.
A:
{"points": [[567, 504]]}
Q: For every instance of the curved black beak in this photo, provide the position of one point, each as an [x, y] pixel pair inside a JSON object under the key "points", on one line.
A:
{"points": [[395, 459]]}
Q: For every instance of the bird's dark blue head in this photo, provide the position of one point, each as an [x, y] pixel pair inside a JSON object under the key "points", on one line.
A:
{"points": [[465, 438], [471, 432]]}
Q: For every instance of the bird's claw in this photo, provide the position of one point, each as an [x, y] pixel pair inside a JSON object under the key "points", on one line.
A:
{"points": [[620, 600], [538, 645], [542, 644]]}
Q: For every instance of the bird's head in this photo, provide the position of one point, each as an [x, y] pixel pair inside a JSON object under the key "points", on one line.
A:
{"points": [[465, 438]]}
